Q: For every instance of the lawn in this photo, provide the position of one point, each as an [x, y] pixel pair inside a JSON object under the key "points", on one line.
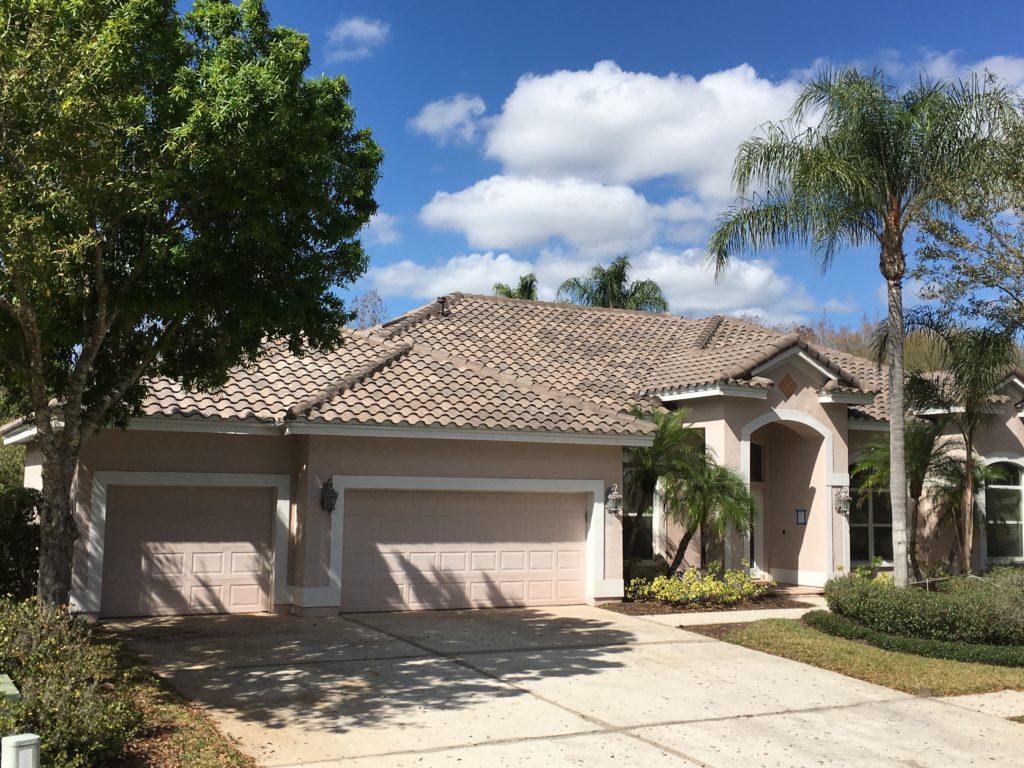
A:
{"points": [[902, 671]]}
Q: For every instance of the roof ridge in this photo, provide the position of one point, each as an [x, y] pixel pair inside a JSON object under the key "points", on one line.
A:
{"points": [[376, 365], [712, 324], [524, 383], [570, 305], [414, 317]]}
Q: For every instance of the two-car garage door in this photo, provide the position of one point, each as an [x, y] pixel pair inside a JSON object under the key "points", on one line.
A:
{"points": [[413, 550]]}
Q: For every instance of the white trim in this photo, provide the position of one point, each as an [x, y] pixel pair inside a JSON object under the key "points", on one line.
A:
{"points": [[832, 478], [847, 398], [982, 548], [716, 390], [444, 433], [801, 355], [597, 586], [858, 425], [89, 600], [802, 577], [24, 433]]}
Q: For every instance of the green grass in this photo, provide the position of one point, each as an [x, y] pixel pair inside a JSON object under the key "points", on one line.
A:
{"points": [[902, 671]]}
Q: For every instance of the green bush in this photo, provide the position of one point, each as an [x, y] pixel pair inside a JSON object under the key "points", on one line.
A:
{"points": [[840, 626], [965, 610], [75, 695], [19, 542], [692, 586]]}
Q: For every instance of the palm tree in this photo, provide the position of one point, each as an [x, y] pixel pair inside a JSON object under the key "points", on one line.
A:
{"points": [[857, 162], [610, 287], [526, 289], [676, 450], [976, 364], [711, 499], [926, 455]]}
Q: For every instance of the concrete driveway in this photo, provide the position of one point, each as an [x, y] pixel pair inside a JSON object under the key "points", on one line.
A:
{"points": [[553, 687]]}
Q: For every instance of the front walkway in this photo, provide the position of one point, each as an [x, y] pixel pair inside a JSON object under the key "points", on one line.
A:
{"points": [[554, 687]]}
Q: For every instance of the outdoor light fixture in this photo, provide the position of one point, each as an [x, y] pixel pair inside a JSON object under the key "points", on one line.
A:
{"points": [[328, 496], [841, 500], [613, 502]]}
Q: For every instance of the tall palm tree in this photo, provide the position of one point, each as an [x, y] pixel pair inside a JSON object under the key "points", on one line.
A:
{"points": [[926, 454], [610, 287], [526, 289], [857, 162], [676, 450], [710, 499], [976, 364]]}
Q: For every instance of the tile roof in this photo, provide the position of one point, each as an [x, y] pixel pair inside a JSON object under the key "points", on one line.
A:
{"points": [[484, 362]]}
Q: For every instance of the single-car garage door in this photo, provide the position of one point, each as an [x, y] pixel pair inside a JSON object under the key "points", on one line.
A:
{"points": [[185, 550], [414, 550]]}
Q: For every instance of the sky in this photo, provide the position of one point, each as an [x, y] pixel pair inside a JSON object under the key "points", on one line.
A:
{"points": [[547, 137]]}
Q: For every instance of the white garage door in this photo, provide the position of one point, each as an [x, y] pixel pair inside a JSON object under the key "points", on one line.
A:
{"points": [[413, 550], [184, 550]]}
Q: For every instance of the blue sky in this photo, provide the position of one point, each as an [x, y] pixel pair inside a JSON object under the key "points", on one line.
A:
{"points": [[549, 136]]}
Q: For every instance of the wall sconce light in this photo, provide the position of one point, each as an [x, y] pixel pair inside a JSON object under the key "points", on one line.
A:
{"points": [[328, 496], [613, 501], [841, 500]]}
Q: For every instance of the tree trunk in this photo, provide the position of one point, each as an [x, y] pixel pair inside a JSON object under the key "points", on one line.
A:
{"points": [[58, 531], [892, 267], [967, 507], [915, 567], [677, 559]]}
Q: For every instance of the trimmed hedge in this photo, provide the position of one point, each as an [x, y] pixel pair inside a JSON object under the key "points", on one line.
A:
{"points": [[840, 626], [75, 694], [973, 611], [691, 586]]}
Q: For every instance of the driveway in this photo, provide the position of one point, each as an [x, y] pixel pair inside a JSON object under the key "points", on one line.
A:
{"points": [[545, 687]]}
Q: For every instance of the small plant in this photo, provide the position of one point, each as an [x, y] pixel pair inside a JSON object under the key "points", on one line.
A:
{"points": [[694, 586], [868, 570]]}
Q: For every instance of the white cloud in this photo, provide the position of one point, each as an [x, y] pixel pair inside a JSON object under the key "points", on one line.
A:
{"points": [[453, 119], [609, 125], [839, 306], [471, 273], [948, 65], [514, 212], [383, 229], [355, 38]]}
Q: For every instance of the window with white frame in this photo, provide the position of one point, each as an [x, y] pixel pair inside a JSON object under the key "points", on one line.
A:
{"points": [[1004, 513], [870, 526]]}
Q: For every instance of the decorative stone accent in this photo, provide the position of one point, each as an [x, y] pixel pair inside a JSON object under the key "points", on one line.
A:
{"points": [[787, 386]]}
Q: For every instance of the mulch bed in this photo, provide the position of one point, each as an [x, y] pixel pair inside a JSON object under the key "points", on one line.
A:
{"points": [[654, 608], [717, 631]]}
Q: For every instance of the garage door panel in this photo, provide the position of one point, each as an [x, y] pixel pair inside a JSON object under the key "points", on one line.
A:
{"points": [[475, 550], [182, 550]]}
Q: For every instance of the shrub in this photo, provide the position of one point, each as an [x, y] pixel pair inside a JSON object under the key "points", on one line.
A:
{"points": [[840, 626], [19, 542], [966, 610], [74, 694], [691, 586]]}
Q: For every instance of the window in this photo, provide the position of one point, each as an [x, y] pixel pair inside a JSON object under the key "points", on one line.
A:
{"points": [[870, 526], [1004, 513], [756, 463]]}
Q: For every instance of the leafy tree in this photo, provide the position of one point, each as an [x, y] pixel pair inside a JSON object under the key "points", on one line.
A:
{"points": [[977, 362], [926, 454], [526, 288], [173, 190], [857, 163], [710, 499], [369, 309], [610, 287], [973, 264], [676, 450]]}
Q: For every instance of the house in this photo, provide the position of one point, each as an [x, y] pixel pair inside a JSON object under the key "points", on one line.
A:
{"points": [[462, 455]]}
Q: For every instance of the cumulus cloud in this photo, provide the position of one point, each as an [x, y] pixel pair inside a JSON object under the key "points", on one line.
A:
{"points": [[610, 125], [471, 273], [355, 38], [948, 65], [453, 119], [383, 229]]}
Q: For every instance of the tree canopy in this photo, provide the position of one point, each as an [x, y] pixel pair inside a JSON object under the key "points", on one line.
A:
{"points": [[526, 288], [173, 191], [611, 287]]}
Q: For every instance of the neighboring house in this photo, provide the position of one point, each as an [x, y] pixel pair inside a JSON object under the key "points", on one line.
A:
{"points": [[472, 445]]}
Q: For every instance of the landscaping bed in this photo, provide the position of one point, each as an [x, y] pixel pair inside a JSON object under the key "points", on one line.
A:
{"points": [[659, 608]]}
